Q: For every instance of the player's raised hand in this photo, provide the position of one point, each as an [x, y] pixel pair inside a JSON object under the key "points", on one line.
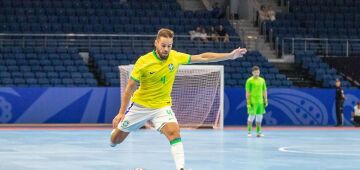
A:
{"points": [[118, 118], [238, 53]]}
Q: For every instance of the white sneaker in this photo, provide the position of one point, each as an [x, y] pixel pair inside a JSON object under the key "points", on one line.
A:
{"points": [[260, 135], [249, 135]]}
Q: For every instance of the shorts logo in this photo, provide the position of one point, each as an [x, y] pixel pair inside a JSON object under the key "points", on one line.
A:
{"points": [[171, 67], [169, 112], [125, 124]]}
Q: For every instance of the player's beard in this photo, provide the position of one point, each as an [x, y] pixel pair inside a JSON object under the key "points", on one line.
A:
{"points": [[163, 57]]}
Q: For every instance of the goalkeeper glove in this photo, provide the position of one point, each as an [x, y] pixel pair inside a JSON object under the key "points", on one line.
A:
{"points": [[266, 103]]}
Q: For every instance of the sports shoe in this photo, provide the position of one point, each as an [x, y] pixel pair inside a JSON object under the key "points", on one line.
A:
{"points": [[249, 135], [260, 135]]}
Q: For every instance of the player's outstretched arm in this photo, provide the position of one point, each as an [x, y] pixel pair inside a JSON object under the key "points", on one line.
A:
{"points": [[214, 57], [129, 90]]}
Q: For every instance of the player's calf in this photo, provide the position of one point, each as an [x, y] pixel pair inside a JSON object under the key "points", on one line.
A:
{"points": [[117, 136]]}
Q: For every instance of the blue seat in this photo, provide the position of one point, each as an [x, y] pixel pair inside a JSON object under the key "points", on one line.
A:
{"points": [[12, 68], [91, 82], [76, 75], [5, 75], [18, 81], [67, 82], [79, 82], [52, 75], [43, 82], [55, 81], [48, 68], [31, 81]]}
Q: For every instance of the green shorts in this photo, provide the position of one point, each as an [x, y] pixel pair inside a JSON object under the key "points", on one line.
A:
{"points": [[256, 109]]}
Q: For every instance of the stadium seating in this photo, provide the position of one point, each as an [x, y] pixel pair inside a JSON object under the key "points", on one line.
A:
{"points": [[321, 71], [107, 60], [43, 67], [347, 65], [338, 19], [57, 66]]}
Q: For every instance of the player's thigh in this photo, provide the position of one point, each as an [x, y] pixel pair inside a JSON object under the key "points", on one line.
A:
{"points": [[165, 121], [135, 118], [162, 117], [259, 108]]}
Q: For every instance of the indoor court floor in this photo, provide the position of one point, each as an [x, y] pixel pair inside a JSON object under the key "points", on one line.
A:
{"points": [[282, 148]]}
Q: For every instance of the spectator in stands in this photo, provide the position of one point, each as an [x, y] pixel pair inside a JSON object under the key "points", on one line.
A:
{"points": [[194, 34], [263, 14], [355, 115], [199, 34], [203, 35], [213, 36], [271, 13], [222, 34], [217, 12], [340, 98]]}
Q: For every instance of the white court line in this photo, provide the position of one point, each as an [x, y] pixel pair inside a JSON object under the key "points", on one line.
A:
{"points": [[317, 151], [107, 151]]}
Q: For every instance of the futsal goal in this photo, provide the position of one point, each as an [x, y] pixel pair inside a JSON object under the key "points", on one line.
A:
{"points": [[197, 95]]}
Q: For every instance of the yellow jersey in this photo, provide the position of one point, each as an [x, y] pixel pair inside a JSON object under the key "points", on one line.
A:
{"points": [[156, 78]]}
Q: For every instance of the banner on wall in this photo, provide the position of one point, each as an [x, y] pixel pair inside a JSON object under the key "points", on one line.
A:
{"points": [[291, 106], [101, 104], [58, 105]]}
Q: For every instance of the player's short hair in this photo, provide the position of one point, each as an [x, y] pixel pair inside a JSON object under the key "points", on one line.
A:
{"points": [[164, 32], [358, 103], [255, 68]]}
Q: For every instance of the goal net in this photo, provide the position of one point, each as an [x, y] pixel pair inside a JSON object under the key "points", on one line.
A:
{"points": [[197, 95]]}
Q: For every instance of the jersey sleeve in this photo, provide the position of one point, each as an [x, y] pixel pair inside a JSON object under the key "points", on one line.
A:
{"points": [[136, 72], [248, 85], [183, 58], [264, 88]]}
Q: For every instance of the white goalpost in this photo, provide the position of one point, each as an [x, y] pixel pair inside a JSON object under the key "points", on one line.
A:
{"points": [[197, 95]]}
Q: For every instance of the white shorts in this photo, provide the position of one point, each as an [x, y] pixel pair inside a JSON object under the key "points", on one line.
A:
{"points": [[136, 116]]}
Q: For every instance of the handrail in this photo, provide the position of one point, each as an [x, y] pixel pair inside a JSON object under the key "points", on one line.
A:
{"points": [[305, 44], [85, 41]]}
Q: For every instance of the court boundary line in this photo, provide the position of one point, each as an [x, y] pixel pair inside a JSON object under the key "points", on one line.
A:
{"points": [[104, 126], [287, 149]]}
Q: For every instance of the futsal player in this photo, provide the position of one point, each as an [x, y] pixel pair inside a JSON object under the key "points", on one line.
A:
{"points": [[256, 100], [155, 72]]}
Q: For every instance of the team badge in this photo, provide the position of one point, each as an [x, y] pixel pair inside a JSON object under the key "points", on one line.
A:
{"points": [[125, 124], [171, 67]]}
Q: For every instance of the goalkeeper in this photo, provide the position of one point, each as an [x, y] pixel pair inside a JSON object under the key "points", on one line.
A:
{"points": [[155, 72], [256, 98]]}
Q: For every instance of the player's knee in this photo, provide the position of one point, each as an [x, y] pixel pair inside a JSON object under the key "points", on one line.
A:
{"points": [[173, 133]]}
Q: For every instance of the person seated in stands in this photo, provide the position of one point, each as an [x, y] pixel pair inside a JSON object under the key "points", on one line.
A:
{"points": [[223, 36], [355, 115], [199, 34], [213, 36]]}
